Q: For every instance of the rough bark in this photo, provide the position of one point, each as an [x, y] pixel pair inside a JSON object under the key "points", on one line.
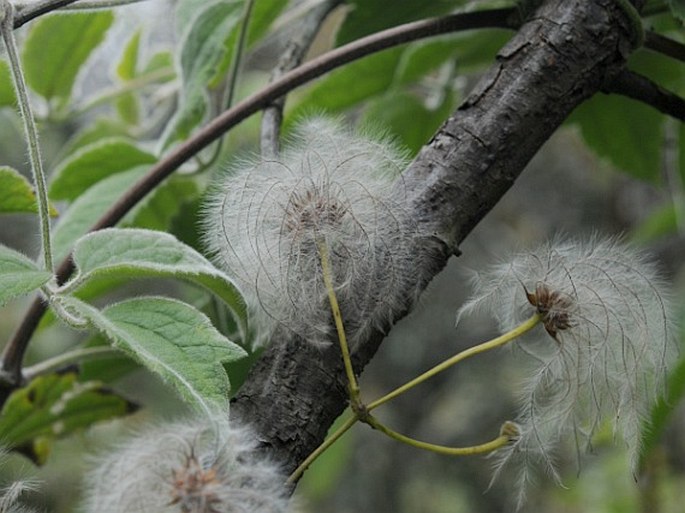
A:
{"points": [[564, 54]]}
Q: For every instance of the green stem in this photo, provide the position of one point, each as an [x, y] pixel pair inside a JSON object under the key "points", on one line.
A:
{"points": [[60, 361], [485, 448], [30, 131], [481, 348], [293, 478], [337, 317]]}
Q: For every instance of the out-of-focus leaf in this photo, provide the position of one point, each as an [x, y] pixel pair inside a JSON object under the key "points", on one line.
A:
{"points": [[130, 252], [369, 16], [204, 51], [16, 193], [264, 12], [659, 223], [18, 274], [127, 104], [56, 48], [404, 115], [7, 95], [173, 340], [656, 423], [625, 132], [160, 208], [678, 8], [54, 406], [99, 130], [351, 84], [92, 163]]}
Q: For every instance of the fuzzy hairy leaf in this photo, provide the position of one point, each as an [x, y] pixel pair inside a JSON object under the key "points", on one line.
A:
{"points": [[17, 194], [94, 162], [89, 207], [56, 48], [54, 406], [19, 275], [130, 252], [173, 340]]}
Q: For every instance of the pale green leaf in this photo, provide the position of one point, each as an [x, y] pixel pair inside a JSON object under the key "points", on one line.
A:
{"points": [[7, 94], [159, 209], [131, 252], [88, 208], [56, 48], [128, 64], [92, 163], [173, 340], [18, 275], [54, 406], [17, 194], [206, 47]]}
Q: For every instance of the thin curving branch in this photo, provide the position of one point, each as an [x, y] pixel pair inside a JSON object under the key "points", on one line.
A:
{"points": [[640, 88], [10, 370], [292, 56], [665, 45], [28, 12]]}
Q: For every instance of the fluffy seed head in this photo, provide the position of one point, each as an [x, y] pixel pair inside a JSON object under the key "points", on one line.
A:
{"points": [[268, 218], [191, 466], [608, 342]]}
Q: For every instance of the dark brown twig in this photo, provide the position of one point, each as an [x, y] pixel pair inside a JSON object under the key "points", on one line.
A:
{"points": [[640, 88], [665, 45]]}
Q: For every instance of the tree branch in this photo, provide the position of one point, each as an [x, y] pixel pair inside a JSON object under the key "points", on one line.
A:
{"points": [[294, 53], [664, 45], [10, 369], [564, 55], [640, 88]]}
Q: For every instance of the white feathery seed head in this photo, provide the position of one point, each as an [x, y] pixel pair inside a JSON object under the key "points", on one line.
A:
{"points": [[603, 350], [196, 465], [268, 219], [11, 494]]}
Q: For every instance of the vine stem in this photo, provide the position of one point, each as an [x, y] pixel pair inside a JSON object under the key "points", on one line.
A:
{"points": [[30, 131], [488, 447], [62, 360], [297, 473], [471, 351], [353, 386]]}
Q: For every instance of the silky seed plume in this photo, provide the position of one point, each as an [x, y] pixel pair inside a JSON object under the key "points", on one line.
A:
{"points": [[267, 219]]}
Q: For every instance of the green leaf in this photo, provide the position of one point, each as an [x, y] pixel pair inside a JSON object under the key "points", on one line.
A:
{"points": [[127, 105], [625, 132], [678, 8], [131, 252], [56, 48], [17, 194], [55, 406], [654, 427], [348, 86], [94, 162], [88, 208], [7, 94], [18, 275], [97, 130], [264, 12], [126, 69], [173, 340], [160, 208], [205, 49], [369, 16], [407, 117]]}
